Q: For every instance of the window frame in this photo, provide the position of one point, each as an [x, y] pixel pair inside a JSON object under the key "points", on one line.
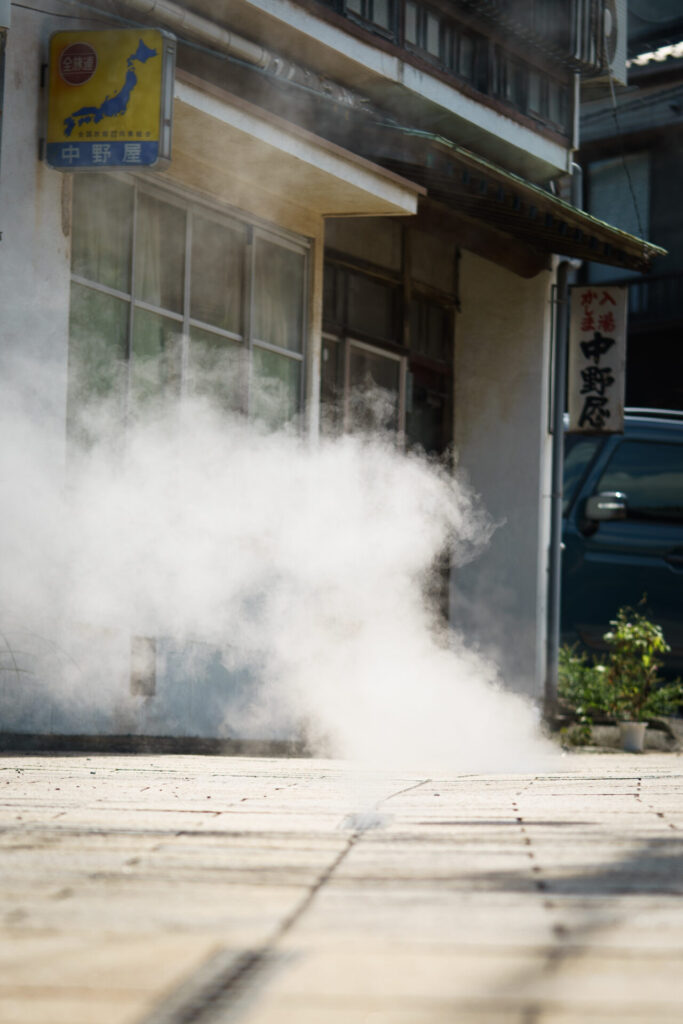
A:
{"points": [[490, 75], [366, 19], [252, 228]]}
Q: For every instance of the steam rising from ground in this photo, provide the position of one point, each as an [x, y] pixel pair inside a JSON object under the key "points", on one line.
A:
{"points": [[295, 571]]}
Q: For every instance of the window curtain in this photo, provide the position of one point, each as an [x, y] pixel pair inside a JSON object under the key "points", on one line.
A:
{"points": [[159, 282], [278, 295], [217, 275], [102, 231]]}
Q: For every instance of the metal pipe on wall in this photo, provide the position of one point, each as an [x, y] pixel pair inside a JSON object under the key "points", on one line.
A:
{"points": [[564, 269], [184, 22], [555, 553]]}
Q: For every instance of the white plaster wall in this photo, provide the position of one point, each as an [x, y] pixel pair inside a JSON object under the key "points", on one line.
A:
{"points": [[501, 419], [35, 249], [58, 677], [34, 315]]}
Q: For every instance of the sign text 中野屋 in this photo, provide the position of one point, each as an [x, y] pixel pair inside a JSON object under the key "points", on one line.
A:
{"points": [[597, 358]]}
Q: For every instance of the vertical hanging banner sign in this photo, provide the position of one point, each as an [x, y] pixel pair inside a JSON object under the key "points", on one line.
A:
{"points": [[111, 99], [597, 358]]}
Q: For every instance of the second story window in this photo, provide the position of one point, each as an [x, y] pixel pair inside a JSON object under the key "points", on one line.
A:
{"points": [[459, 50], [423, 29], [379, 13], [433, 32]]}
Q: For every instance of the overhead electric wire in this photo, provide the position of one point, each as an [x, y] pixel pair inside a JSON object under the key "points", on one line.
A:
{"points": [[41, 10], [627, 171], [377, 119], [202, 48], [386, 122]]}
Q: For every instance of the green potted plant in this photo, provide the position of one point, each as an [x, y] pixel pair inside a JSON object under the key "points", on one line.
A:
{"points": [[626, 688], [583, 693], [635, 691]]}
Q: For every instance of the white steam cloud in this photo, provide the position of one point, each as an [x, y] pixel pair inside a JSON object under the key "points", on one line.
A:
{"points": [[284, 581]]}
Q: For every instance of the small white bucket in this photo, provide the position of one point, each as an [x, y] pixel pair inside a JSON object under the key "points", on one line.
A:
{"points": [[632, 736]]}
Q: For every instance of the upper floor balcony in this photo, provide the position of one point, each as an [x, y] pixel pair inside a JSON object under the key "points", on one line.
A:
{"points": [[496, 76]]}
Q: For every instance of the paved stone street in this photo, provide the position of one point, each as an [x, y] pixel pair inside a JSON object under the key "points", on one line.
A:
{"points": [[177, 889]]}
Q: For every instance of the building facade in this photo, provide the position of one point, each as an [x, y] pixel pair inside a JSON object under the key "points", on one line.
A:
{"points": [[358, 190], [632, 156]]}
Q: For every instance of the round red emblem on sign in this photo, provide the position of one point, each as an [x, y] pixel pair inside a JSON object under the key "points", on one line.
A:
{"points": [[77, 63]]}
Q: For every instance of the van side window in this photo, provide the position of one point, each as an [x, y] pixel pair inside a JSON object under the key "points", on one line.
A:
{"points": [[651, 476], [578, 454]]}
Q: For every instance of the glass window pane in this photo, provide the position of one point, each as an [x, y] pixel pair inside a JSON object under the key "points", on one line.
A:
{"points": [[160, 254], [651, 477], [481, 72], [579, 452], [216, 369], [102, 230], [557, 103], [518, 86], [430, 333], [156, 357], [432, 40], [374, 382], [449, 47], [276, 387], [371, 307], [410, 27], [381, 13], [217, 274], [331, 283], [331, 385], [428, 412], [278, 300], [535, 92], [466, 61], [356, 6], [98, 332]]}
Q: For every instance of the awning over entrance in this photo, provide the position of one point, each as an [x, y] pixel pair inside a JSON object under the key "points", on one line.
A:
{"points": [[478, 189], [235, 150]]}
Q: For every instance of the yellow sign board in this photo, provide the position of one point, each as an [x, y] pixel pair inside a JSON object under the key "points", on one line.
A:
{"points": [[111, 98]]}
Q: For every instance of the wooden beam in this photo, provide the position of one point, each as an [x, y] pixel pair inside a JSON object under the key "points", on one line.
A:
{"points": [[477, 237]]}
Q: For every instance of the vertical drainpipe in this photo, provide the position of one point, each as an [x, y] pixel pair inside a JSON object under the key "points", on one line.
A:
{"points": [[559, 396], [5, 17], [555, 553]]}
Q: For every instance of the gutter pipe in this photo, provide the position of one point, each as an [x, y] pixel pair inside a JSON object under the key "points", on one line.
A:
{"points": [[561, 347], [214, 36], [555, 551]]}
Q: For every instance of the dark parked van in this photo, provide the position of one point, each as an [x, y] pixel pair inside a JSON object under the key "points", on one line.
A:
{"points": [[623, 529]]}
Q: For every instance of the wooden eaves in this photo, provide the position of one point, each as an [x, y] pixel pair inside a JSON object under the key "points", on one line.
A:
{"points": [[479, 190]]}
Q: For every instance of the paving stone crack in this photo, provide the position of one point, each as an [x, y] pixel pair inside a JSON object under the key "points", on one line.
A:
{"points": [[214, 992]]}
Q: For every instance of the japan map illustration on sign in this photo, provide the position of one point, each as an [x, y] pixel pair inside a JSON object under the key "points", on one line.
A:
{"points": [[111, 95], [112, 106]]}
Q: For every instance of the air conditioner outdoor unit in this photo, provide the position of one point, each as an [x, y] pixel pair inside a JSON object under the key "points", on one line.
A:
{"points": [[601, 38], [615, 17]]}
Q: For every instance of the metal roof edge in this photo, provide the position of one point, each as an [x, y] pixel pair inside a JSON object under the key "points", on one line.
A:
{"points": [[516, 203]]}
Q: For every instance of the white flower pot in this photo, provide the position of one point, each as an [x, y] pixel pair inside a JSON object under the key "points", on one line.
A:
{"points": [[632, 736]]}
